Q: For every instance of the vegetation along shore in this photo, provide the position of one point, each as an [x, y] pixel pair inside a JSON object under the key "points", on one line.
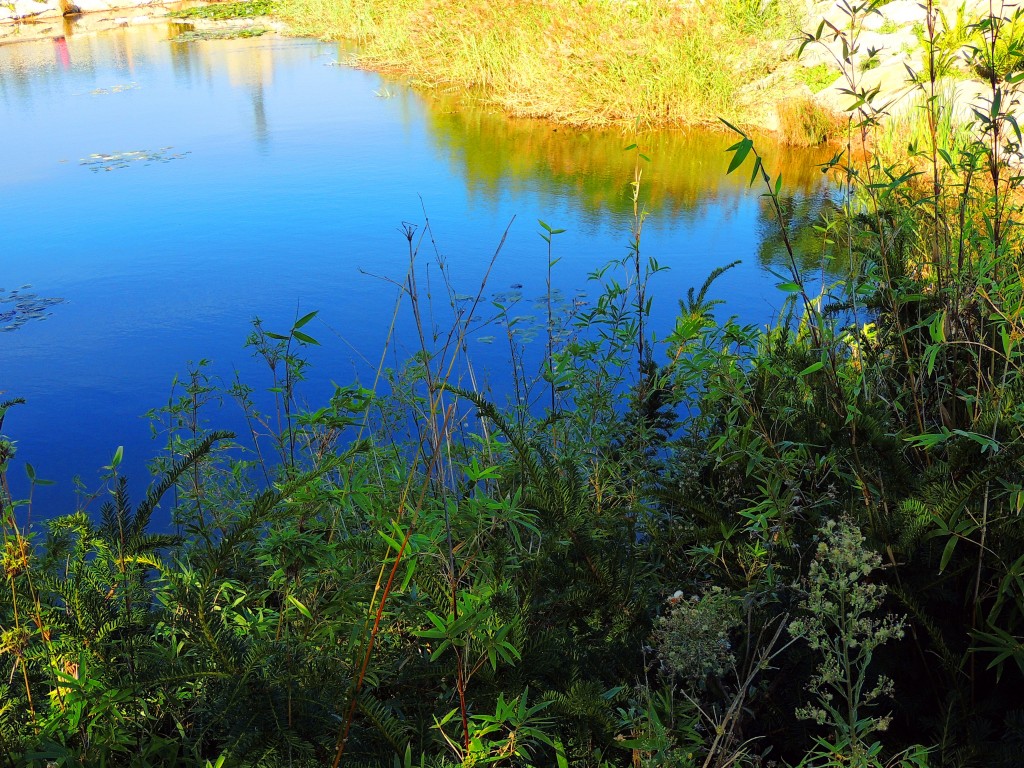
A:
{"points": [[669, 62], [709, 544]]}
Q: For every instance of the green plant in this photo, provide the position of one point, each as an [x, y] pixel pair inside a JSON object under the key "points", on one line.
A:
{"points": [[805, 123], [219, 11], [818, 77], [693, 639], [841, 625], [872, 62], [512, 733]]}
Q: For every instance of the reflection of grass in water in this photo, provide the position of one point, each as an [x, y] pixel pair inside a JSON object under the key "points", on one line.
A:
{"points": [[686, 172], [17, 308], [803, 212]]}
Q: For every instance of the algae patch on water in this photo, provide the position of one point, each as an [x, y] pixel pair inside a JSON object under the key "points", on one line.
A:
{"points": [[120, 88], [17, 308], [219, 34]]}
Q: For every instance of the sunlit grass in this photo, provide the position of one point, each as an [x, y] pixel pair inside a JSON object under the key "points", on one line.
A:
{"points": [[586, 63], [220, 11]]}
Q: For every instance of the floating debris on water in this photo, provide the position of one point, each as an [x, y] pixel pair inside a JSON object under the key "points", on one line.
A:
{"points": [[26, 306], [120, 88], [219, 34], [102, 162]]}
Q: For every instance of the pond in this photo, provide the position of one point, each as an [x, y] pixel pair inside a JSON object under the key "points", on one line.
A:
{"points": [[168, 191]]}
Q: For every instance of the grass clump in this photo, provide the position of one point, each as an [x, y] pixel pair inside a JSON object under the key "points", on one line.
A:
{"points": [[805, 123], [819, 77], [586, 63], [889, 27]]}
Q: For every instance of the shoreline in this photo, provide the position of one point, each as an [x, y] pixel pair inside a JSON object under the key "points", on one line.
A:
{"points": [[636, 67]]}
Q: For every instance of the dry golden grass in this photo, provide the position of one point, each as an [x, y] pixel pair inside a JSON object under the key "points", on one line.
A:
{"points": [[583, 62], [804, 123]]}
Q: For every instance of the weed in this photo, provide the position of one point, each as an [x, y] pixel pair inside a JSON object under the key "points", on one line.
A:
{"points": [[840, 625], [804, 123], [819, 77]]}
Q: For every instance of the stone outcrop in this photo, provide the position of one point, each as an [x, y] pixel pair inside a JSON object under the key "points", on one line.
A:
{"points": [[890, 48], [15, 11]]}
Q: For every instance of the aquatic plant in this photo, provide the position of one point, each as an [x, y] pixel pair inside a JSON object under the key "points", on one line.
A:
{"points": [[23, 306]]}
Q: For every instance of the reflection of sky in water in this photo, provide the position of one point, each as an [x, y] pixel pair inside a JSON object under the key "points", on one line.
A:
{"points": [[281, 184]]}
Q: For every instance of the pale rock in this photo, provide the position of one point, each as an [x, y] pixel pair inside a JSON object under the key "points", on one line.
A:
{"points": [[28, 9], [92, 6], [904, 13]]}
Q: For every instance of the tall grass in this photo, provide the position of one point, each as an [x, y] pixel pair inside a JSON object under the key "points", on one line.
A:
{"points": [[586, 63], [804, 123]]}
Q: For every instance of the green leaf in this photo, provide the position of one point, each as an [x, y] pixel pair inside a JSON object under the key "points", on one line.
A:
{"points": [[303, 320], [732, 127], [789, 287], [409, 571], [302, 609], [307, 339], [947, 553], [811, 368], [931, 353], [391, 542], [740, 150], [560, 759], [437, 621]]}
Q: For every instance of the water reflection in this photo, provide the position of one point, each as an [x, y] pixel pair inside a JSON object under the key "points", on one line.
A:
{"points": [[60, 45], [292, 179], [814, 250], [685, 175]]}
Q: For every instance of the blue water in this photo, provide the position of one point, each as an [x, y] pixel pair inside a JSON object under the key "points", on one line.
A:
{"points": [[276, 185]]}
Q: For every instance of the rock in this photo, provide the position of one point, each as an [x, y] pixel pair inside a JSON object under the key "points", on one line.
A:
{"points": [[29, 9], [92, 6], [901, 12]]}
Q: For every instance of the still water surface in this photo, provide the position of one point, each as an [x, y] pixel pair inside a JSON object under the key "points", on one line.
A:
{"points": [[169, 192]]}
